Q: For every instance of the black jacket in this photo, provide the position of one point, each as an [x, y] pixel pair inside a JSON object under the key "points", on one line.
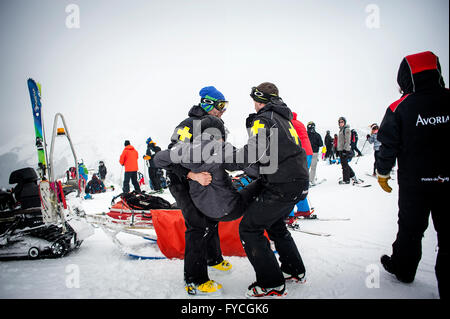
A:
{"points": [[195, 124], [328, 142], [413, 126], [315, 139], [152, 149], [190, 128], [283, 146]]}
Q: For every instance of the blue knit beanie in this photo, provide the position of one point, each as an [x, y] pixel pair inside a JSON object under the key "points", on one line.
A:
{"points": [[210, 92]]}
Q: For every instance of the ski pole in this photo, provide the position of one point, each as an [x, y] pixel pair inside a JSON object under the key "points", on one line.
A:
{"points": [[361, 152]]}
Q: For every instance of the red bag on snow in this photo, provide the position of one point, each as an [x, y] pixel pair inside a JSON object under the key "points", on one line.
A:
{"points": [[170, 228]]}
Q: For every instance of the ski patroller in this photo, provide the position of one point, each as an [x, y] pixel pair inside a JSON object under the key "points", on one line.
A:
{"points": [[36, 105]]}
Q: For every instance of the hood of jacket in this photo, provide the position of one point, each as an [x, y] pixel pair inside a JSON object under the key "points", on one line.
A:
{"points": [[129, 148], [197, 111], [419, 72], [277, 105]]}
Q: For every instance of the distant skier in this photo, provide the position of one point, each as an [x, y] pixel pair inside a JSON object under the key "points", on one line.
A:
{"points": [[329, 145], [344, 151], [102, 171], [129, 159], [335, 140], [316, 142], [354, 143], [153, 171], [411, 133], [372, 139]]}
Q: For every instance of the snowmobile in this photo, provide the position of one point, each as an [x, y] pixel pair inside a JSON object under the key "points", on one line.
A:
{"points": [[23, 232]]}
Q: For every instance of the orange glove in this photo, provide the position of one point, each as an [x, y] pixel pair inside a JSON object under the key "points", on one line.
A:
{"points": [[147, 157], [383, 181]]}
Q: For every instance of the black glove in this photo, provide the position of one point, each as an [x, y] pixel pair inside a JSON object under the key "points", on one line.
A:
{"points": [[249, 120], [368, 136]]}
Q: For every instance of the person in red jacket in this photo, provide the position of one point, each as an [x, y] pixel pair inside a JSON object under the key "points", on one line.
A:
{"points": [[303, 208], [129, 159]]}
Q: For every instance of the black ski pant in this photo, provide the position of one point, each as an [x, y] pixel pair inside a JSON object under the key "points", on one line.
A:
{"points": [[268, 212], [126, 182], [354, 149], [154, 178], [415, 204], [347, 171], [329, 152], [202, 238]]}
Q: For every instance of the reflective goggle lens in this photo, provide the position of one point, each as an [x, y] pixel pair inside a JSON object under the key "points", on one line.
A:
{"points": [[221, 105]]}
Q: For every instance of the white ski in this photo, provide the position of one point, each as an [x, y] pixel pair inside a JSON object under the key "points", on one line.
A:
{"points": [[296, 227], [318, 182], [328, 219]]}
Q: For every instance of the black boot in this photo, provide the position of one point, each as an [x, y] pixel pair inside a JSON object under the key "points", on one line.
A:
{"points": [[386, 261]]}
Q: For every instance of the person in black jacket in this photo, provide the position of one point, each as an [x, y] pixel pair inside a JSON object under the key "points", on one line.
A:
{"points": [[95, 185], [202, 238], [329, 145], [285, 181], [153, 171], [102, 171], [354, 143], [410, 134], [316, 143]]}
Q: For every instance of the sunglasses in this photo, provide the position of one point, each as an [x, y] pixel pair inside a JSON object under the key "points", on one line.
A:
{"points": [[218, 104]]}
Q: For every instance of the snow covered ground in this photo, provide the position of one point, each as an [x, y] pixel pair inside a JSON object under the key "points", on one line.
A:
{"points": [[344, 265]]}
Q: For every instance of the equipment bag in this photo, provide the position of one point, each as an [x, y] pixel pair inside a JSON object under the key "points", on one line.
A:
{"points": [[144, 201]]}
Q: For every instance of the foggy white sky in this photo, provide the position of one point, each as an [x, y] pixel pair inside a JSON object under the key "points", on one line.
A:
{"points": [[138, 65]]}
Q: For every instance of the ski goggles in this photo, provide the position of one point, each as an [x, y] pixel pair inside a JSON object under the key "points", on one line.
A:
{"points": [[259, 96], [209, 104]]}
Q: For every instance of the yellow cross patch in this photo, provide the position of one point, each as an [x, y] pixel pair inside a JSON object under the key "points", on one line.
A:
{"points": [[184, 133], [256, 126], [293, 133]]}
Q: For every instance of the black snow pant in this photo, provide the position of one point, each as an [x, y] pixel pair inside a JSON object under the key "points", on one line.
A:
{"points": [[126, 182], [268, 212], [347, 171], [202, 237], [329, 152], [415, 204], [154, 178], [354, 149]]}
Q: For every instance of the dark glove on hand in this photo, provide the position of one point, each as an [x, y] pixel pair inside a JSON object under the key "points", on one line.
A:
{"points": [[368, 136], [249, 120]]}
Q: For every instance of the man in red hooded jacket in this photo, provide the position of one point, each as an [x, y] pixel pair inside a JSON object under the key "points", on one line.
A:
{"points": [[303, 208], [129, 159]]}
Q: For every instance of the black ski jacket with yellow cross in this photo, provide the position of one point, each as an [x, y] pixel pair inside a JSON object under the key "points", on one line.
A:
{"points": [[282, 145], [185, 131]]}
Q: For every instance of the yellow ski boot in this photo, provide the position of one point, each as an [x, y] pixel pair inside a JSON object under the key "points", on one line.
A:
{"points": [[209, 288], [223, 266]]}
